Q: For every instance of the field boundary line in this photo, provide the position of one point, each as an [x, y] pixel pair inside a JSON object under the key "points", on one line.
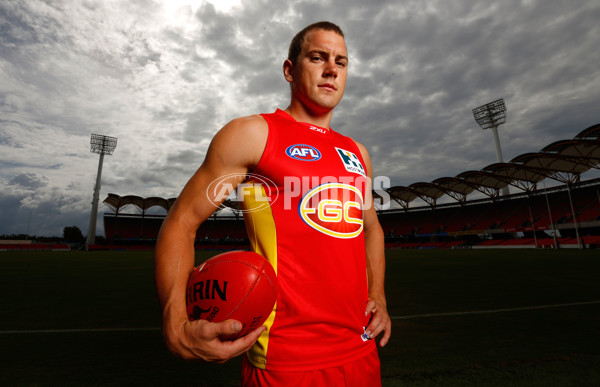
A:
{"points": [[78, 330], [489, 311]]}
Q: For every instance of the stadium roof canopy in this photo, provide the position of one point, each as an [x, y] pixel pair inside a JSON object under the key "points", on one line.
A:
{"points": [[563, 161], [402, 195], [117, 203], [429, 192], [592, 133], [584, 151], [455, 187], [520, 176], [485, 182], [564, 169]]}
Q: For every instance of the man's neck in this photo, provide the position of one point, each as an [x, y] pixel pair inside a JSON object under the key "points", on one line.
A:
{"points": [[301, 114]]}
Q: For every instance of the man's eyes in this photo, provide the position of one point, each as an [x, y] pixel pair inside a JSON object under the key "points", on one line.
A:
{"points": [[339, 63]]}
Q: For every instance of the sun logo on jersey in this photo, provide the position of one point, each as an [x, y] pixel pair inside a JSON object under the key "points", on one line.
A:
{"points": [[334, 209], [303, 152]]}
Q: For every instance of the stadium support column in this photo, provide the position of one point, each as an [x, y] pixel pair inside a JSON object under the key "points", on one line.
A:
{"points": [[531, 220], [102, 145], [550, 217], [491, 116], [579, 243]]}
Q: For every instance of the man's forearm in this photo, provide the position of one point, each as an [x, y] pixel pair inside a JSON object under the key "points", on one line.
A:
{"points": [[375, 249], [174, 260]]}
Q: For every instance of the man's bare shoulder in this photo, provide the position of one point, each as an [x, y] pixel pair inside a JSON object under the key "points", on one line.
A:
{"points": [[366, 157], [250, 129], [246, 135], [254, 124], [363, 149]]}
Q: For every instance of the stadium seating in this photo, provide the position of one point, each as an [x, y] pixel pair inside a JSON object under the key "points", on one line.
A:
{"points": [[35, 247], [517, 214], [484, 223]]}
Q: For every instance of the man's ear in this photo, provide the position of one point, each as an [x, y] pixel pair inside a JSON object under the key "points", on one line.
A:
{"points": [[288, 68]]}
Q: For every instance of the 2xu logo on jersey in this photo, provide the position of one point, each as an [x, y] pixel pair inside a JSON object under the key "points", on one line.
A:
{"points": [[334, 209]]}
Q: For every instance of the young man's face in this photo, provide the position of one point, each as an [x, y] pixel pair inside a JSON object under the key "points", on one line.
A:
{"points": [[319, 76]]}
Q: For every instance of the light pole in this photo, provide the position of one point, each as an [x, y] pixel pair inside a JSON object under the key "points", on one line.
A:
{"points": [[490, 116], [103, 145]]}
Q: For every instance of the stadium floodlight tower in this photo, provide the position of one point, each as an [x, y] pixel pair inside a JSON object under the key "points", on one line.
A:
{"points": [[490, 116], [103, 145]]}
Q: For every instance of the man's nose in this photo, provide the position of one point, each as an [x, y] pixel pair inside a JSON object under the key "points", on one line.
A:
{"points": [[331, 69]]}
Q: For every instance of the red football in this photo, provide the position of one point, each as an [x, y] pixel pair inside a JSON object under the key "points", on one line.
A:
{"points": [[239, 285]]}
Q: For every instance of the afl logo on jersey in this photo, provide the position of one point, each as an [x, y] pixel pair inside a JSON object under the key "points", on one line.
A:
{"points": [[303, 152], [334, 209]]}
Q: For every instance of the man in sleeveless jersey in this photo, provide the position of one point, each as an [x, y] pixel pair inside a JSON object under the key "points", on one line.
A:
{"points": [[319, 231]]}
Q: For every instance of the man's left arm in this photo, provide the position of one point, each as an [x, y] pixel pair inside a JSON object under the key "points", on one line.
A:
{"points": [[375, 251]]}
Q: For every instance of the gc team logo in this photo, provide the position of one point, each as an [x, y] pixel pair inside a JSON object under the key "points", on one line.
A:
{"points": [[303, 152], [255, 189], [334, 209]]}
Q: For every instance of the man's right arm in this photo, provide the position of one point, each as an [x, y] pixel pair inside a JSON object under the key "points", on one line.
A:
{"points": [[234, 151]]}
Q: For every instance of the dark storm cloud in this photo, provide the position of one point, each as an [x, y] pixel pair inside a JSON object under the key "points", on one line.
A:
{"points": [[29, 180]]}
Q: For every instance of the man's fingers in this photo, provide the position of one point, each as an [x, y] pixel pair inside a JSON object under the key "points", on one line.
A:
{"points": [[243, 344], [371, 307], [218, 350], [229, 327], [373, 327], [251, 337], [379, 322], [386, 335]]}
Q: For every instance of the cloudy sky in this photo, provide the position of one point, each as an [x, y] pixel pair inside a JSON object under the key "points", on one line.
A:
{"points": [[164, 76]]}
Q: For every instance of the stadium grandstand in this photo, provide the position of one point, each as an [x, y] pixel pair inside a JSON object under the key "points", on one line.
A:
{"points": [[465, 211]]}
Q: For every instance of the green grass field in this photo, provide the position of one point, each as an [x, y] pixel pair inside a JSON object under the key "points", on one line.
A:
{"points": [[460, 318]]}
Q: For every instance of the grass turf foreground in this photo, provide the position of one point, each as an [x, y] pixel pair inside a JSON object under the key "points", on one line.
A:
{"points": [[459, 319]]}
